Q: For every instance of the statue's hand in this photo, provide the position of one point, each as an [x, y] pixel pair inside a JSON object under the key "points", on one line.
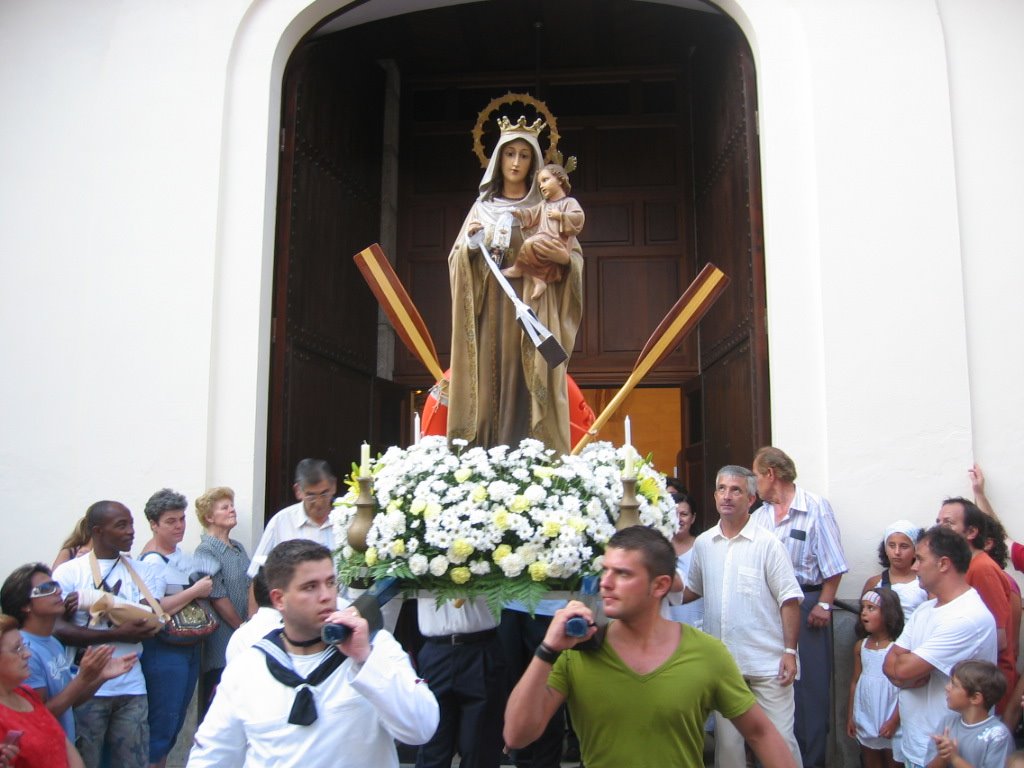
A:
{"points": [[473, 228]]}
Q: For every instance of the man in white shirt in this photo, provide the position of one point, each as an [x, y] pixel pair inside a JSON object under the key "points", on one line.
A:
{"points": [[309, 518], [117, 714], [752, 604], [292, 700], [953, 626]]}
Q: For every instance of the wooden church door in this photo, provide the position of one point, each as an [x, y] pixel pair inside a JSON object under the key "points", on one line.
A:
{"points": [[324, 337], [728, 228]]}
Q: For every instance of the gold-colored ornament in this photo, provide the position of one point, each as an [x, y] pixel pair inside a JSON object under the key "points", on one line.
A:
{"points": [[366, 508], [516, 98], [629, 506]]}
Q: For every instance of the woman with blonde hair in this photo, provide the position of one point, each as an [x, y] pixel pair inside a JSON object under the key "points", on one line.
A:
{"points": [[215, 510], [42, 742]]}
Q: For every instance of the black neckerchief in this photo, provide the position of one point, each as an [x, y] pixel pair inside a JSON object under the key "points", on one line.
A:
{"points": [[279, 664]]}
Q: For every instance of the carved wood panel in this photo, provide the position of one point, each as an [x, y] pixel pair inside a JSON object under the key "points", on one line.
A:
{"points": [[323, 356], [733, 336]]}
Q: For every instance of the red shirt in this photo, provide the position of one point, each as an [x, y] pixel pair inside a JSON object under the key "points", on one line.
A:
{"points": [[42, 739], [985, 575]]}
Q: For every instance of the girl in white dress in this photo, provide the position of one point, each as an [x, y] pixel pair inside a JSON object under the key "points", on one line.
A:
{"points": [[873, 713]]}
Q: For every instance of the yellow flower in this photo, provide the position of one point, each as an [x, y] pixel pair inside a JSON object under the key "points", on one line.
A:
{"points": [[578, 524], [417, 506], [500, 519], [479, 494], [648, 487], [394, 505], [520, 503], [543, 472], [460, 575], [538, 570], [462, 474], [433, 510], [501, 552], [551, 528], [462, 548], [397, 547], [371, 556]]}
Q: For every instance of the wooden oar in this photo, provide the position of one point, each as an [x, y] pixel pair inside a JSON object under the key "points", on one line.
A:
{"points": [[398, 306], [680, 320]]}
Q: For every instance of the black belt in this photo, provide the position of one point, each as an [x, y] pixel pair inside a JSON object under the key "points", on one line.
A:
{"points": [[811, 587], [463, 639]]}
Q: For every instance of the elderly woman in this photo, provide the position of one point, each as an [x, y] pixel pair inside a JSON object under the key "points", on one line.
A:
{"points": [[502, 390], [171, 670], [43, 743], [230, 596]]}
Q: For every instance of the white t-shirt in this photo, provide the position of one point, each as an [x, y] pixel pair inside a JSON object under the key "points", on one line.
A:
{"points": [[961, 629], [76, 575]]}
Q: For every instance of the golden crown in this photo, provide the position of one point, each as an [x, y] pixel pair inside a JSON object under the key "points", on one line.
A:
{"points": [[507, 126]]}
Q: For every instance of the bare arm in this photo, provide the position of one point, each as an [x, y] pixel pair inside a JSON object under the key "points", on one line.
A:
{"points": [[74, 759], [532, 702], [98, 665], [818, 616], [790, 613], [177, 601], [129, 632], [977, 478], [227, 612], [764, 739], [906, 670]]}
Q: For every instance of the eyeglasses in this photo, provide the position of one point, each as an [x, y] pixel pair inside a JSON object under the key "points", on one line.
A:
{"points": [[329, 493], [45, 589], [19, 650]]}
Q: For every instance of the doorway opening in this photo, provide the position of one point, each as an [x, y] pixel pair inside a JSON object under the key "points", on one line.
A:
{"points": [[657, 102]]}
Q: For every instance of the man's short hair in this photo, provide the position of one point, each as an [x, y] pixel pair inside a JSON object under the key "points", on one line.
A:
{"points": [[98, 512], [973, 518], [260, 590], [14, 594], [311, 472], [770, 457], [982, 677], [658, 555], [734, 470], [206, 502], [164, 500], [943, 542], [287, 556]]}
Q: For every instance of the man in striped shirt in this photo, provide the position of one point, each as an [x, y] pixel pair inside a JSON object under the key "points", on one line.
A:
{"points": [[807, 527]]}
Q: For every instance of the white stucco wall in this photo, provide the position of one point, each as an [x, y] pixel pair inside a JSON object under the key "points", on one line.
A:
{"points": [[138, 205]]}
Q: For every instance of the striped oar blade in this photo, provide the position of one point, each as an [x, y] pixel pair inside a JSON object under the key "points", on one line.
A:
{"points": [[680, 320], [398, 306]]}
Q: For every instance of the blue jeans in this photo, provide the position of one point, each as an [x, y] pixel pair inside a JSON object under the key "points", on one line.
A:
{"points": [[171, 672]]}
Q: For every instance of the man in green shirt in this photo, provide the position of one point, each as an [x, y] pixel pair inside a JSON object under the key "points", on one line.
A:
{"points": [[642, 698]]}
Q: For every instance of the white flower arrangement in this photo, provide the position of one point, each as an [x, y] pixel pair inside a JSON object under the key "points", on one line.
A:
{"points": [[507, 524]]}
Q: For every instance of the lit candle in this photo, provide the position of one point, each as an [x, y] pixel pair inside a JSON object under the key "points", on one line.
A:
{"points": [[416, 429], [364, 460]]}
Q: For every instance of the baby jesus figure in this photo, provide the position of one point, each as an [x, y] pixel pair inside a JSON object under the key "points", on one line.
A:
{"points": [[557, 221]]}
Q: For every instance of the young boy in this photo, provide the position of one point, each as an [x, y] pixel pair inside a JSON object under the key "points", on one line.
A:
{"points": [[972, 737]]}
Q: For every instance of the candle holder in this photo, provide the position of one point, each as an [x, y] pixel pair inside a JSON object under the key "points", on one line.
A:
{"points": [[363, 519], [629, 507]]}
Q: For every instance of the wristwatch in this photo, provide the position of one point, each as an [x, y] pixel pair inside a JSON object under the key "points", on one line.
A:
{"points": [[825, 606], [790, 651]]}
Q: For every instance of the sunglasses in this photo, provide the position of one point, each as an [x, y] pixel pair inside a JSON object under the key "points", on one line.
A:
{"points": [[45, 589]]}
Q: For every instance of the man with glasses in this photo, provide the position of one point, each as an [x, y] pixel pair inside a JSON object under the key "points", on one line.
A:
{"points": [[31, 597], [752, 604], [309, 518]]}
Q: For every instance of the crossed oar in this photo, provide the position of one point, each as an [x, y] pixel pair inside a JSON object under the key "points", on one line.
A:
{"points": [[408, 323]]}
